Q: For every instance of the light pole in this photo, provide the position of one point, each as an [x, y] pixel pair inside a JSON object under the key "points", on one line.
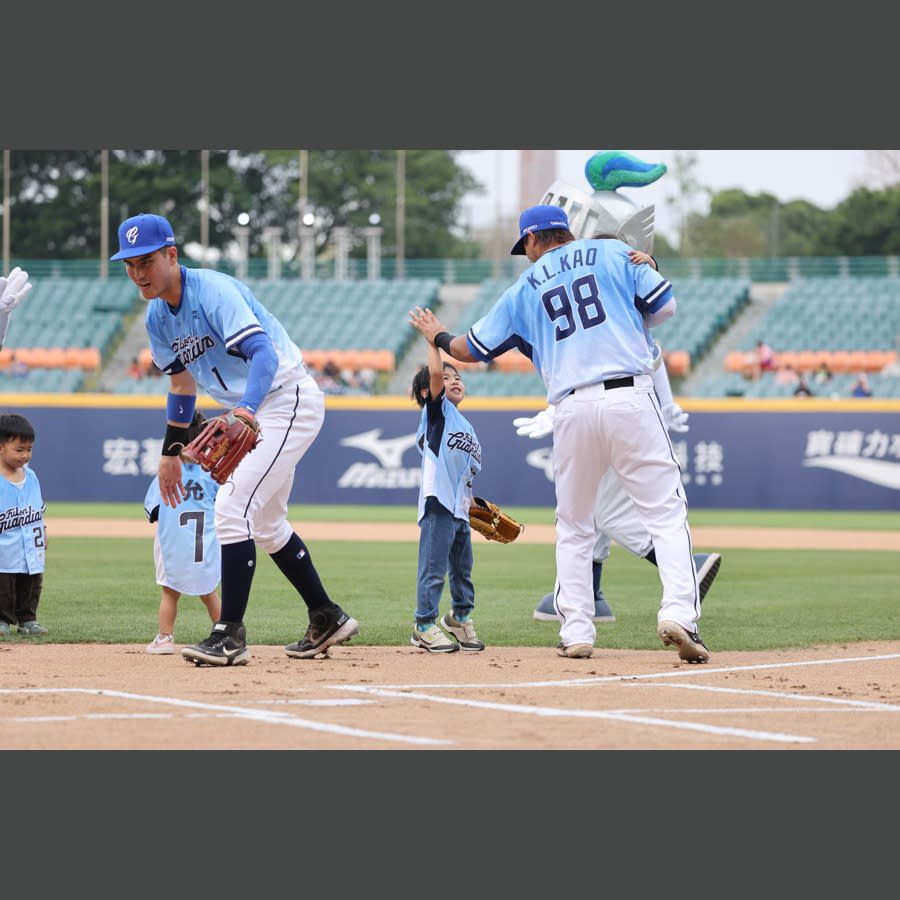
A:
{"points": [[6, 211], [272, 237], [341, 236], [242, 235], [401, 214], [204, 204], [307, 247], [373, 246], [104, 214]]}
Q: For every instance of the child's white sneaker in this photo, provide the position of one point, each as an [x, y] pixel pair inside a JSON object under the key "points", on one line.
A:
{"points": [[162, 644]]}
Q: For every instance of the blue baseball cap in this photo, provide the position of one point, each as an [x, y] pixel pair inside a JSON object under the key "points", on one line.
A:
{"points": [[538, 218], [142, 234]]}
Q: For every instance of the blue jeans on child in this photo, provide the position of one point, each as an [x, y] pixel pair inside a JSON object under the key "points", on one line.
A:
{"points": [[445, 543]]}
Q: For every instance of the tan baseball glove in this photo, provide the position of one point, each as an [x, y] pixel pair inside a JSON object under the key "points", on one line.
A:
{"points": [[223, 443], [496, 525]]}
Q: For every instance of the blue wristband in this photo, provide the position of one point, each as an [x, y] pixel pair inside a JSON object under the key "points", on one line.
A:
{"points": [[180, 408]]}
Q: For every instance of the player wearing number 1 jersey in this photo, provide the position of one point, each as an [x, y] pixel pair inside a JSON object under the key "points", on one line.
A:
{"points": [[207, 328], [579, 312]]}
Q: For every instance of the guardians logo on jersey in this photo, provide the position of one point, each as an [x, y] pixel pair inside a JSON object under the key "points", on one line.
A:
{"points": [[15, 518], [190, 348], [462, 440]]}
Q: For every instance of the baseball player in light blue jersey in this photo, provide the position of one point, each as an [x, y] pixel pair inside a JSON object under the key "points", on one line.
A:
{"points": [[451, 458], [616, 518], [23, 534], [207, 328], [185, 548], [579, 312]]}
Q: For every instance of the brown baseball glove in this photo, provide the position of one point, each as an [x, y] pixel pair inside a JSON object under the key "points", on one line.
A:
{"points": [[496, 525], [223, 443]]}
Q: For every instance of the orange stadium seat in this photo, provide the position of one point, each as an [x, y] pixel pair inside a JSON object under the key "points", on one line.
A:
{"points": [[379, 360], [841, 361], [54, 358], [89, 358], [33, 357], [678, 363], [786, 358], [806, 360], [736, 361]]}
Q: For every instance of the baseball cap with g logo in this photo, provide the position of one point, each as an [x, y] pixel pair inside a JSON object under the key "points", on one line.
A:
{"points": [[143, 234], [538, 218]]}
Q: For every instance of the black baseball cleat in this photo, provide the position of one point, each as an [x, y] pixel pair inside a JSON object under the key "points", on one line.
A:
{"points": [[226, 646], [327, 626], [707, 568]]}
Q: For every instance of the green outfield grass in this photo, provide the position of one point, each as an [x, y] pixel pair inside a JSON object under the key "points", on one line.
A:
{"points": [[104, 590], [540, 515]]}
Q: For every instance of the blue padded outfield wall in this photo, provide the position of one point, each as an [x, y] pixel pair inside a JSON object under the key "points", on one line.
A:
{"points": [[738, 454]]}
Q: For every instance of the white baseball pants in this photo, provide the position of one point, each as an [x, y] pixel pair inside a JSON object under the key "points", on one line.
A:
{"points": [[254, 503], [622, 428]]}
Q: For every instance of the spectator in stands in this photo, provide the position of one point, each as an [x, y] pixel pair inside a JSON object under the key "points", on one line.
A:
{"points": [[803, 389], [760, 360], [786, 375], [367, 377], [822, 374], [330, 380], [18, 368], [861, 386], [135, 370]]}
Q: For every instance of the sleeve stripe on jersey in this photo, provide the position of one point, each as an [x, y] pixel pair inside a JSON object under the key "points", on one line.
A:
{"points": [[236, 338], [655, 299], [479, 349]]}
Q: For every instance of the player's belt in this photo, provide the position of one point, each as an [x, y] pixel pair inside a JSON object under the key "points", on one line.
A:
{"points": [[614, 383]]}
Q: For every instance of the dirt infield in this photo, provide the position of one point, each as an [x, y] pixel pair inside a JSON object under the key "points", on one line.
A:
{"points": [[723, 538], [92, 696], [95, 696]]}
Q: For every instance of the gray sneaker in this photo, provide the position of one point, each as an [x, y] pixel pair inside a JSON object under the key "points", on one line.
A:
{"points": [[690, 648], [4, 628], [433, 640], [464, 632], [32, 628], [707, 568], [545, 611]]}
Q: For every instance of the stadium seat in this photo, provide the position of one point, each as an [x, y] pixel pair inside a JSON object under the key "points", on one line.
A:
{"points": [[736, 361], [842, 361], [678, 363]]}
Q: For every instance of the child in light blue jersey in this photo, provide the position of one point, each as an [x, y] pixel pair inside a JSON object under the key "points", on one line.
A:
{"points": [[451, 458], [23, 534], [187, 553]]}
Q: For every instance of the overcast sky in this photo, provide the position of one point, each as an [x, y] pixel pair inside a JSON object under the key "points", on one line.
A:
{"points": [[823, 177]]}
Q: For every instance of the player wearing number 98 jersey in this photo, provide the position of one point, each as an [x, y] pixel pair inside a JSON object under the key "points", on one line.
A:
{"points": [[580, 312]]}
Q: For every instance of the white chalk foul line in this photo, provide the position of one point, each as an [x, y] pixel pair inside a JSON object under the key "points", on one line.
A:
{"points": [[860, 704], [270, 717], [686, 671], [551, 711]]}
